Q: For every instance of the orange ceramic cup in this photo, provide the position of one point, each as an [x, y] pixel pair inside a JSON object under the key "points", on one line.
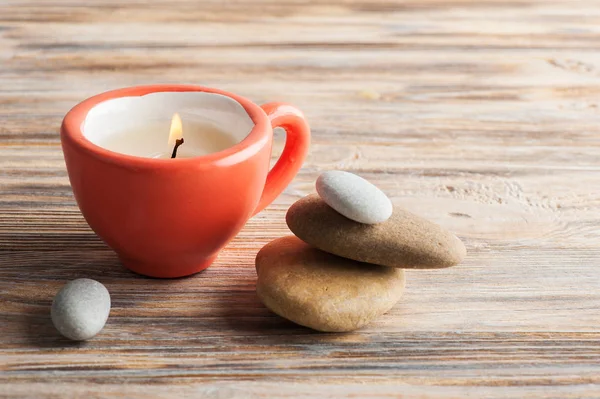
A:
{"points": [[171, 217]]}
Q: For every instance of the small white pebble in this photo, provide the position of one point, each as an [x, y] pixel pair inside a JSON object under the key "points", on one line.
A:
{"points": [[354, 197], [80, 309]]}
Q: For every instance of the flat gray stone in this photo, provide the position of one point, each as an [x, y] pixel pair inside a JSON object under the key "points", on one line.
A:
{"points": [[354, 197], [80, 309]]}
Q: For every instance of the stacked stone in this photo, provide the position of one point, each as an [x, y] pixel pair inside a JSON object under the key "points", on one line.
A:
{"points": [[345, 265]]}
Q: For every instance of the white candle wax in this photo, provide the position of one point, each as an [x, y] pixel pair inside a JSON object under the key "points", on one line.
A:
{"points": [[152, 140], [140, 125]]}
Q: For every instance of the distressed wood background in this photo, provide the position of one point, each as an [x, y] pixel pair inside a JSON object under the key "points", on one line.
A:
{"points": [[483, 115]]}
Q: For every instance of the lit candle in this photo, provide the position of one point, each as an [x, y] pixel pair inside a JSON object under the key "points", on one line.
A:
{"points": [[175, 135], [154, 139], [153, 126], [171, 217]]}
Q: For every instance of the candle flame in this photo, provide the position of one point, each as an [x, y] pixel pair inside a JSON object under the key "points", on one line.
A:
{"points": [[176, 131]]}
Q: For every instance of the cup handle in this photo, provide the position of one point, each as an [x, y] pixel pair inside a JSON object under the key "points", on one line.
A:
{"points": [[297, 141]]}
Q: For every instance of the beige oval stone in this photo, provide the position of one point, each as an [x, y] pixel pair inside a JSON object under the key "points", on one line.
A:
{"points": [[323, 291], [404, 240]]}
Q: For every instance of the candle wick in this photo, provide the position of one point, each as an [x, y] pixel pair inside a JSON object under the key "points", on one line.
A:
{"points": [[178, 142]]}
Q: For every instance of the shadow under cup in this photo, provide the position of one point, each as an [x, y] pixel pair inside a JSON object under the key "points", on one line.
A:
{"points": [[170, 217]]}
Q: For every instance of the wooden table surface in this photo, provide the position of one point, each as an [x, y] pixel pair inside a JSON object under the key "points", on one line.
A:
{"points": [[482, 115]]}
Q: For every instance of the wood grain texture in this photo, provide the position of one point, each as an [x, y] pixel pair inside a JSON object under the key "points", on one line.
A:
{"points": [[483, 116]]}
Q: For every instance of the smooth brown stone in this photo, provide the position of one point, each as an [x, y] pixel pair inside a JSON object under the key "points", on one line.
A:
{"points": [[404, 240], [323, 291]]}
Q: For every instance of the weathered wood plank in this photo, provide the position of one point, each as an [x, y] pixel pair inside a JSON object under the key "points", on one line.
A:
{"points": [[481, 115]]}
